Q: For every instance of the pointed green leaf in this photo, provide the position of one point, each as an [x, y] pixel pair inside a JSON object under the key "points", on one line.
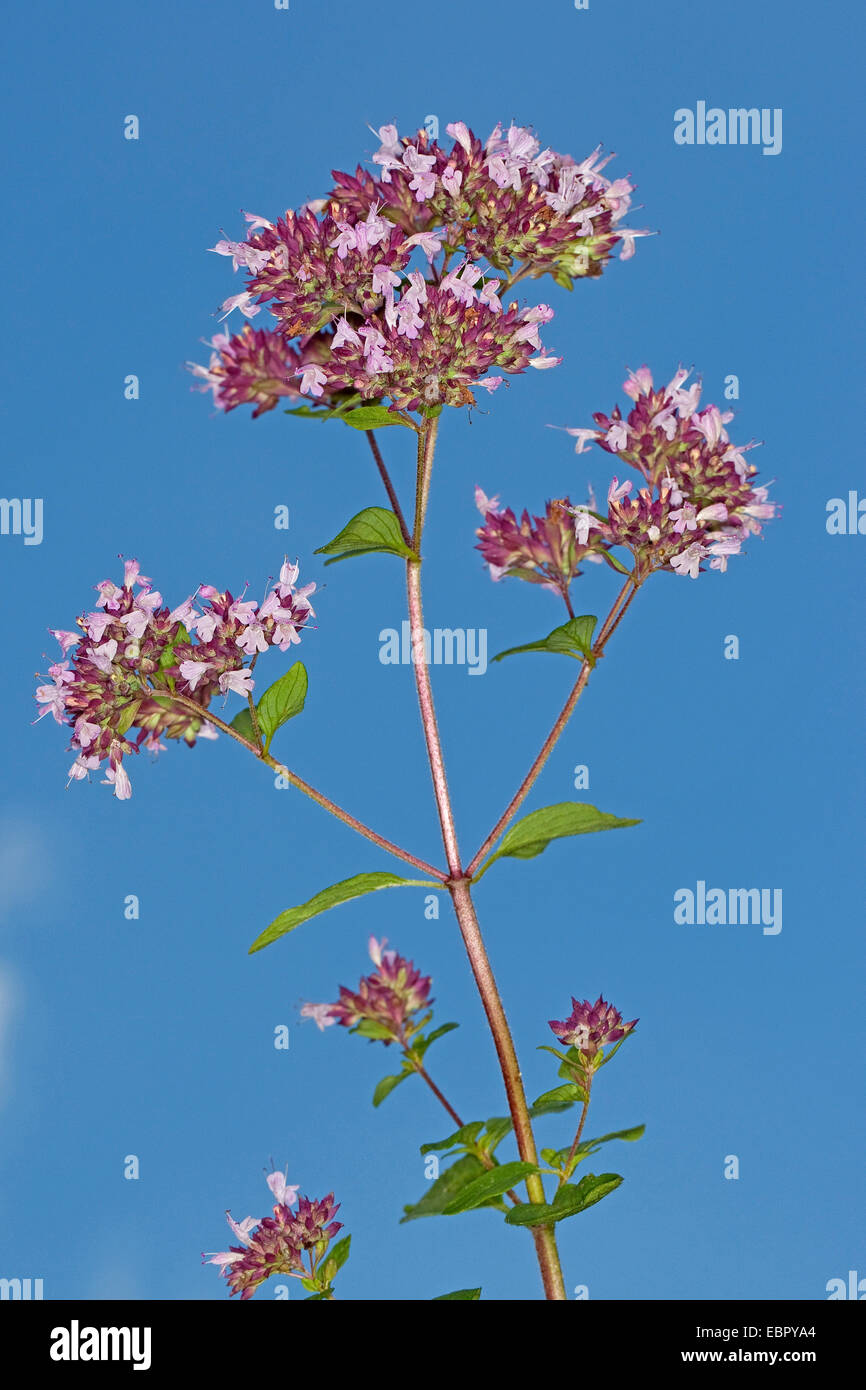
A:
{"points": [[323, 412], [495, 1131], [465, 1295], [420, 1045], [445, 1189], [591, 1146], [281, 701], [374, 417], [339, 1253], [369, 1028], [568, 1201], [467, 1134], [127, 717], [614, 563], [491, 1183], [243, 722], [387, 1085], [532, 834], [338, 893], [374, 531], [560, 1098], [573, 638]]}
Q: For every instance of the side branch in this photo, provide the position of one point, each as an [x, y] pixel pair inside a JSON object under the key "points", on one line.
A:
{"points": [[609, 626]]}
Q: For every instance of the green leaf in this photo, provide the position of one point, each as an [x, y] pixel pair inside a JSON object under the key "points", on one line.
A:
{"points": [[243, 722], [387, 1085], [323, 412], [614, 563], [491, 1183], [374, 531], [282, 701], [629, 1135], [568, 1201], [374, 417], [168, 657], [420, 1045], [560, 1098], [590, 1146], [369, 1028], [573, 638], [467, 1134], [127, 718], [544, 1047], [495, 1131], [339, 1253], [445, 1189], [532, 834], [338, 893], [465, 1295]]}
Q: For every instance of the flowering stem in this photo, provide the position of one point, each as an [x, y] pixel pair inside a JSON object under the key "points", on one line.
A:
{"points": [[565, 1174], [544, 1236], [609, 625], [389, 486], [311, 792], [458, 887], [426, 449]]}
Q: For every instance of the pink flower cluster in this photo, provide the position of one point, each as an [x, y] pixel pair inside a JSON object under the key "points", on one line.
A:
{"points": [[699, 501], [341, 274], [592, 1026], [133, 656], [542, 549], [278, 1244], [385, 1003]]}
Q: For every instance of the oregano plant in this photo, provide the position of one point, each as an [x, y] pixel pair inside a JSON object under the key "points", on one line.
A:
{"points": [[391, 298]]}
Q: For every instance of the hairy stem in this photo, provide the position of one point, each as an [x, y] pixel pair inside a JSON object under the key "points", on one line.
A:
{"points": [[458, 887], [389, 486], [425, 1076], [583, 1114]]}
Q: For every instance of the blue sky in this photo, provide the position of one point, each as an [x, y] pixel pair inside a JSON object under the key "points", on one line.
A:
{"points": [[155, 1037]]}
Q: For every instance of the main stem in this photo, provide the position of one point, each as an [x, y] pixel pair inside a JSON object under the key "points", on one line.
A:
{"points": [[459, 888]]}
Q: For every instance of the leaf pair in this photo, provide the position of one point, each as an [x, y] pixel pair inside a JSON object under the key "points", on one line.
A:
{"points": [[527, 838]]}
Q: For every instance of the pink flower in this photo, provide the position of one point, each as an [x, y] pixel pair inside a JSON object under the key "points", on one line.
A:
{"points": [[460, 132], [285, 1194], [194, 671], [244, 302], [689, 562], [484, 503], [430, 243], [618, 490], [66, 639], [312, 380], [253, 639], [241, 682], [122, 785], [592, 1026], [583, 437], [320, 1014]]}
